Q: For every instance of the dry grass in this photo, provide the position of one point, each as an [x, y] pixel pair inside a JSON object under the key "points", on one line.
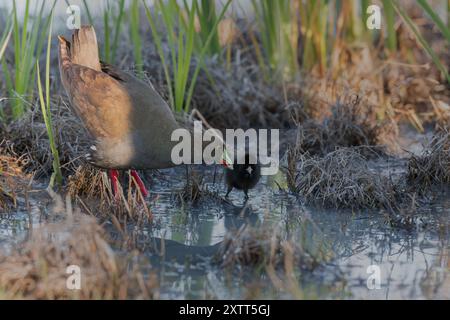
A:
{"points": [[353, 71], [344, 178], [354, 124], [193, 190], [36, 269], [89, 182], [239, 97], [13, 180], [350, 124], [404, 87], [93, 192], [29, 137], [278, 259], [340, 179], [416, 89], [432, 167], [264, 247], [7, 201]]}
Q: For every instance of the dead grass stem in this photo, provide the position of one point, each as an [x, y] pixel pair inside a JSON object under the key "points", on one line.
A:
{"points": [[37, 269], [432, 167], [260, 247], [351, 124], [340, 179]]}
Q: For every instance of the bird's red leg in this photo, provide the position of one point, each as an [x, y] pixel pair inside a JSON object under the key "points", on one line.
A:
{"points": [[114, 176], [139, 182]]}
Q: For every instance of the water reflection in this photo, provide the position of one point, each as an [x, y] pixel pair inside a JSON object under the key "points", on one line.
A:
{"points": [[183, 240]]}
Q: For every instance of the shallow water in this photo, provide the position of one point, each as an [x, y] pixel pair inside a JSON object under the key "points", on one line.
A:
{"points": [[413, 261]]}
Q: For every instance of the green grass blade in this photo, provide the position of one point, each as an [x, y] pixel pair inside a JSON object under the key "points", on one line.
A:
{"points": [[158, 42], [422, 40], [106, 45], [388, 6], [202, 54], [436, 19], [4, 42], [88, 13], [45, 108], [118, 24], [135, 36]]}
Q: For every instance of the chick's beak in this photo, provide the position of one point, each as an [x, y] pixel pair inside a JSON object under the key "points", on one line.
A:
{"points": [[226, 165], [226, 160]]}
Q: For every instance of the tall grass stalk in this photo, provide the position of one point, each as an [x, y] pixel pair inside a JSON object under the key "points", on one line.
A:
{"points": [[277, 22], [27, 44], [113, 14], [4, 40], [364, 15], [389, 13], [45, 108], [88, 13], [353, 16], [113, 18], [135, 36], [436, 19], [366, 33], [106, 45], [207, 17], [313, 22], [6, 36], [180, 40], [414, 29], [117, 23]]}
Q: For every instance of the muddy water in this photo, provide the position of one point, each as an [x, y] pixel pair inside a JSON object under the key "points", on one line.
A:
{"points": [[412, 259]]}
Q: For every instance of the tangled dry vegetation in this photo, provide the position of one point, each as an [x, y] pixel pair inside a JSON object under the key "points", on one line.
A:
{"points": [[91, 188], [350, 124], [36, 269], [13, 179], [417, 91], [401, 87], [432, 167], [259, 247], [340, 179], [193, 190], [344, 179], [29, 138], [239, 97], [328, 164], [280, 257]]}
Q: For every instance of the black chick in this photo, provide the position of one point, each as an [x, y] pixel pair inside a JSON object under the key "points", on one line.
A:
{"points": [[243, 176]]}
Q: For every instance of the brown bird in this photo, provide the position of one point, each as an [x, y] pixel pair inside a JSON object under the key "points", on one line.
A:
{"points": [[128, 121]]}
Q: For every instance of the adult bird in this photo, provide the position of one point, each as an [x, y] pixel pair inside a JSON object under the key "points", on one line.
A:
{"points": [[129, 123]]}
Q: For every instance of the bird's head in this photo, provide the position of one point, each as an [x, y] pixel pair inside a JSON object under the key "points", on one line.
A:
{"points": [[248, 168]]}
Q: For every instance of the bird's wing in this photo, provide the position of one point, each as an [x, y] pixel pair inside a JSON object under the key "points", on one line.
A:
{"points": [[153, 113], [102, 102], [113, 72], [115, 104]]}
